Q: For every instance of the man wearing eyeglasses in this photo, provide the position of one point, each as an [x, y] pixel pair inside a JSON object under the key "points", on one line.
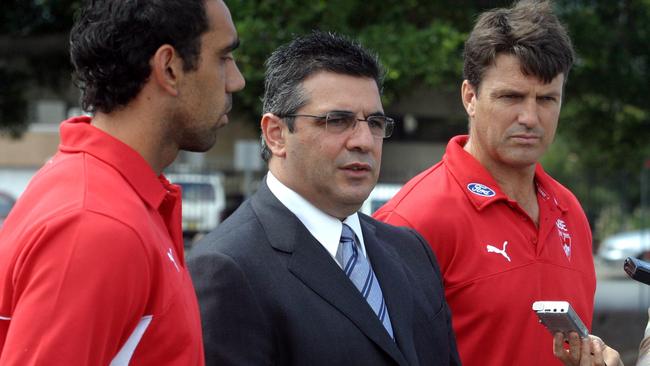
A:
{"points": [[296, 276]]}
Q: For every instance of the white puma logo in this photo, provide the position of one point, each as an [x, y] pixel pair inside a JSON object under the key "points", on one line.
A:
{"points": [[493, 249], [171, 258]]}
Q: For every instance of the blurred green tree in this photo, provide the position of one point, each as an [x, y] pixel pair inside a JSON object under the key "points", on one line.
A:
{"points": [[605, 123], [417, 41], [604, 129], [33, 51]]}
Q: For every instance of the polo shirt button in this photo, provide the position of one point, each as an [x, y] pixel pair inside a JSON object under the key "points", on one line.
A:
{"points": [[533, 240]]}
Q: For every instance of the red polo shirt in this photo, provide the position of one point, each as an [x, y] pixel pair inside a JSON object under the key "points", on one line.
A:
{"points": [[92, 270], [495, 261]]}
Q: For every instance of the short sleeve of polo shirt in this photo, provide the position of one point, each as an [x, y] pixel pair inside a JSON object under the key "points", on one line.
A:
{"points": [[77, 281]]}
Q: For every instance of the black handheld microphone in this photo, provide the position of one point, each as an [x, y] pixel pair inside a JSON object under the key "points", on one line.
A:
{"points": [[637, 269]]}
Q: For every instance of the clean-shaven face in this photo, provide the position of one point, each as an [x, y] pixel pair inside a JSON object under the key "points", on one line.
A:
{"points": [[335, 172], [514, 117]]}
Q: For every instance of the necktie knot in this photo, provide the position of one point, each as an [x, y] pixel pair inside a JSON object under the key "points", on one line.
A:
{"points": [[347, 235]]}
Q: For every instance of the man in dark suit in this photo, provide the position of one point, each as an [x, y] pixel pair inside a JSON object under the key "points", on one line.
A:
{"points": [[296, 276]]}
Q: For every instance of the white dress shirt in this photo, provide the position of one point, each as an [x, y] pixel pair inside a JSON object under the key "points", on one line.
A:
{"points": [[325, 228]]}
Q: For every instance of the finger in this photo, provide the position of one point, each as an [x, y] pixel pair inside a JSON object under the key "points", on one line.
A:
{"points": [[611, 357], [558, 347], [596, 339], [590, 348], [597, 351], [575, 345]]}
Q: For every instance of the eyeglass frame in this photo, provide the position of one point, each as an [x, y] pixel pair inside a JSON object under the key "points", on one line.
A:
{"points": [[388, 127]]}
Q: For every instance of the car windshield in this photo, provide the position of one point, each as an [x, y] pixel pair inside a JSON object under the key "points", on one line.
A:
{"points": [[197, 192]]}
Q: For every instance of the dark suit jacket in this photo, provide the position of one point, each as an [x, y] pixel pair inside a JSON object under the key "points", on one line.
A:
{"points": [[270, 294]]}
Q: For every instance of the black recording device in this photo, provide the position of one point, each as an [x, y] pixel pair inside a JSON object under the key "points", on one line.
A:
{"points": [[637, 269]]}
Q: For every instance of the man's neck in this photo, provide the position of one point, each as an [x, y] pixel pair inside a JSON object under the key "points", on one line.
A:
{"points": [[140, 132], [518, 183], [333, 209]]}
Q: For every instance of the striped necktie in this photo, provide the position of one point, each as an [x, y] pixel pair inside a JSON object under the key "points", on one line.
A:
{"points": [[357, 268]]}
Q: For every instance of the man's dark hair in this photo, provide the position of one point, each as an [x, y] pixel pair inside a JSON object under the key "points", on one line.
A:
{"points": [[292, 63], [112, 43], [528, 30]]}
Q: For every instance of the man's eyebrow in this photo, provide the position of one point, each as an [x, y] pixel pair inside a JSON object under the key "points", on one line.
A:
{"points": [[232, 46], [506, 90], [551, 94]]}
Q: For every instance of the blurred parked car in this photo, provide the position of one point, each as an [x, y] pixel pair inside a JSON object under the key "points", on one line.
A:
{"points": [[6, 203], [614, 249], [379, 195], [204, 200]]}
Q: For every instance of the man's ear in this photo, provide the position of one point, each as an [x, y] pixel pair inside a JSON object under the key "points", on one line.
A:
{"points": [[167, 69], [469, 94], [274, 131]]}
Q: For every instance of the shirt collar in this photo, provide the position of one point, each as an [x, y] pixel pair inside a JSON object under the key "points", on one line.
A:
{"points": [[78, 135], [545, 188], [478, 184], [325, 228]]}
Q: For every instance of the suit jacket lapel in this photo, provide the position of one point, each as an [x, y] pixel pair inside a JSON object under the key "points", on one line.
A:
{"points": [[316, 268], [392, 278]]}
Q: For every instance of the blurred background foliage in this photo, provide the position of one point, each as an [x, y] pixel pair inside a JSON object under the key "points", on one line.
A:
{"points": [[602, 148]]}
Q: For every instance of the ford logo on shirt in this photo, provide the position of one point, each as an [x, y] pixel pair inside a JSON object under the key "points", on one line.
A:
{"points": [[480, 190]]}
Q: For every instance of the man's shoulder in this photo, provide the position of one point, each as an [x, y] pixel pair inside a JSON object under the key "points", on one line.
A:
{"points": [[404, 243], [101, 245], [383, 228], [238, 248], [240, 232], [429, 193], [65, 193], [402, 237], [82, 180]]}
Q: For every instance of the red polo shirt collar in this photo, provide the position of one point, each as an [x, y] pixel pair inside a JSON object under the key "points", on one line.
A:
{"points": [[78, 135], [478, 184]]}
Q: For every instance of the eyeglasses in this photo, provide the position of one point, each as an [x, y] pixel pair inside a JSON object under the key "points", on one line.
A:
{"points": [[339, 122]]}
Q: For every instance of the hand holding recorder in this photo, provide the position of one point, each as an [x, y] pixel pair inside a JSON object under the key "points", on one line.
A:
{"points": [[567, 327]]}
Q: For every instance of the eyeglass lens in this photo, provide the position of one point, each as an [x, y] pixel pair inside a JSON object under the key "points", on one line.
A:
{"points": [[338, 122]]}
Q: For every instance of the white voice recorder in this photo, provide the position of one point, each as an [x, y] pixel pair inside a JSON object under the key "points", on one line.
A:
{"points": [[559, 316]]}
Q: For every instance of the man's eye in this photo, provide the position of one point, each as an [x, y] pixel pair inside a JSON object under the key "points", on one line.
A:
{"points": [[376, 123], [338, 120]]}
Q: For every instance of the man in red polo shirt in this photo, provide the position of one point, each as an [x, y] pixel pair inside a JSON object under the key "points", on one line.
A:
{"points": [[92, 270], [506, 234]]}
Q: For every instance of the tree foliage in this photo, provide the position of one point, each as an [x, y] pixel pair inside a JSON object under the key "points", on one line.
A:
{"points": [[604, 128], [24, 61], [32, 17], [605, 123], [413, 45]]}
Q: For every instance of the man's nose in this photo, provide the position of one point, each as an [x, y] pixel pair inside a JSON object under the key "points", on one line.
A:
{"points": [[234, 80], [361, 137], [529, 113]]}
